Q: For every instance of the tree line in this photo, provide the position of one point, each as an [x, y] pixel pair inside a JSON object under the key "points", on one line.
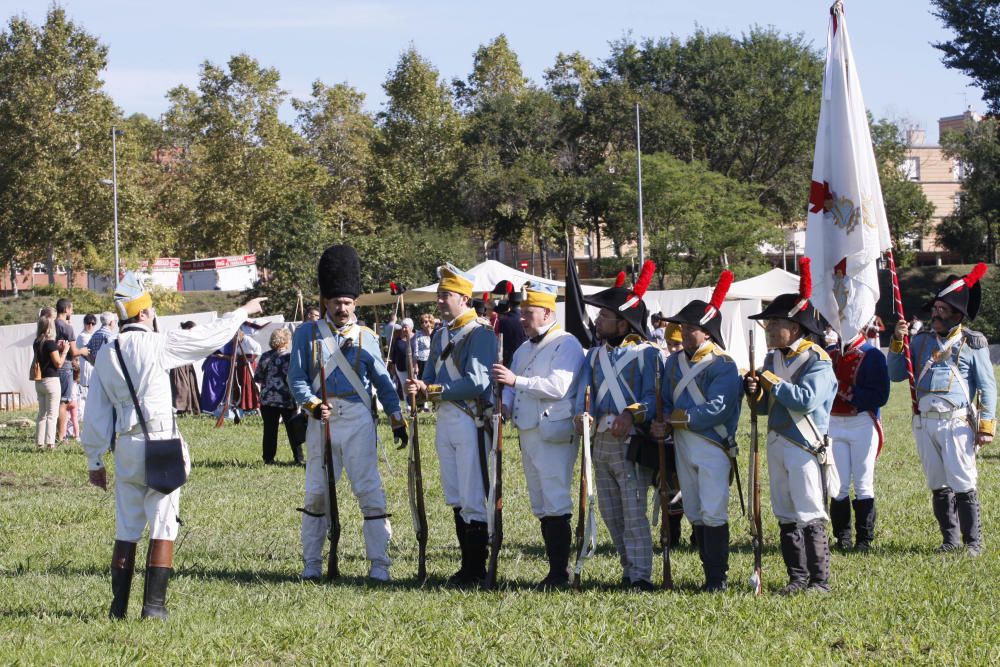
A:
{"points": [[444, 170]]}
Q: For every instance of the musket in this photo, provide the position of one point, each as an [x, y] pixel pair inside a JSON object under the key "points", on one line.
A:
{"points": [[415, 479], [332, 511], [753, 484], [237, 338], [668, 577], [586, 522], [494, 501]]}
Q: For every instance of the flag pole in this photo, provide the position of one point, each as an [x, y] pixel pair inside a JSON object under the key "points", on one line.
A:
{"points": [[906, 339]]}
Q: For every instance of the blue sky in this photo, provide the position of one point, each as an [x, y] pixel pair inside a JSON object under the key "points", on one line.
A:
{"points": [[154, 46]]}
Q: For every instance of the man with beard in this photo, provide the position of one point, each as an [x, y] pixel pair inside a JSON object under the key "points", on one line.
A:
{"points": [[621, 374], [956, 397]]}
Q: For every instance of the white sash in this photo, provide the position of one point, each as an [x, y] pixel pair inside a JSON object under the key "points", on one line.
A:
{"points": [[688, 374], [449, 363], [549, 337], [336, 359], [803, 422], [611, 373], [946, 351]]}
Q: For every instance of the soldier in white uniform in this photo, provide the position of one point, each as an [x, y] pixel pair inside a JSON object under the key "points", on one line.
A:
{"points": [[957, 396], [457, 379], [347, 357], [148, 357], [539, 393]]}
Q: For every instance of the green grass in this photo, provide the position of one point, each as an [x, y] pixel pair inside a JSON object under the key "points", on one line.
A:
{"points": [[236, 597]]}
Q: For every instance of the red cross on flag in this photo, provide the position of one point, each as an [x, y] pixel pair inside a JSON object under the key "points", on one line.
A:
{"points": [[846, 228]]}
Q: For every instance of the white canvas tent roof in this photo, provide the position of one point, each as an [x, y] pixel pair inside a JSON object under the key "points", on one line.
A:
{"points": [[487, 275]]}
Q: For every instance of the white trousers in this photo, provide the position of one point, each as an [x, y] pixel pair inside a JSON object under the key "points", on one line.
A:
{"points": [[855, 444], [457, 445], [947, 449], [796, 482], [352, 440], [548, 469], [137, 505], [703, 471]]}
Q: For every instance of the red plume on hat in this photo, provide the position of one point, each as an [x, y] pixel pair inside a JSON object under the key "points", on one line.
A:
{"points": [[718, 296], [639, 289], [966, 281], [805, 285], [395, 289], [620, 279]]}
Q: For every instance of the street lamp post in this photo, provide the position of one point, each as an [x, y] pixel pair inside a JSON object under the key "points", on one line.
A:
{"points": [[115, 133]]}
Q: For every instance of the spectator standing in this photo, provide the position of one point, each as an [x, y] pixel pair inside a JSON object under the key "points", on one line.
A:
{"points": [[64, 332], [86, 368], [50, 354], [397, 355], [276, 401]]}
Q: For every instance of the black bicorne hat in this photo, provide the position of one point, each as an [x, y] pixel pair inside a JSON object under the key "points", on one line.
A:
{"points": [[964, 293], [627, 303], [795, 306], [708, 316], [339, 272]]}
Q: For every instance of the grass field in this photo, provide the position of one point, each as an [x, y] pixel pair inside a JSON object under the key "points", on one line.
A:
{"points": [[236, 597]]}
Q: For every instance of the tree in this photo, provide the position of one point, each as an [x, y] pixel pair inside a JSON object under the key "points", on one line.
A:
{"points": [[972, 230], [55, 142], [340, 134], [697, 220], [495, 71], [908, 212], [975, 49], [417, 148]]}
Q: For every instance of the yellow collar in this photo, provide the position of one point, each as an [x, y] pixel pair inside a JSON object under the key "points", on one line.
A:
{"points": [[462, 320], [706, 349], [955, 332]]}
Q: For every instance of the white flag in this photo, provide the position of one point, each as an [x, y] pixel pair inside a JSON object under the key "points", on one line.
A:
{"points": [[846, 228]]}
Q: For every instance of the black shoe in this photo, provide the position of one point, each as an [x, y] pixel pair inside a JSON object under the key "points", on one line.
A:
{"points": [[642, 586], [793, 551], [943, 502], [840, 523], [122, 569], [864, 523]]}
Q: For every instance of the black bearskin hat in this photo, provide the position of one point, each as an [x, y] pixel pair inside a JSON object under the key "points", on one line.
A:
{"points": [[339, 272]]}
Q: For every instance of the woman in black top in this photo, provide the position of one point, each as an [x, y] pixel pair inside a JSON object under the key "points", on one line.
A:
{"points": [[50, 355], [276, 400]]}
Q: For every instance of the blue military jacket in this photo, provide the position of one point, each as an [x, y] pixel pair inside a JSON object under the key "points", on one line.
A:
{"points": [[635, 363], [360, 347], [719, 383], [463, 373], [968, 352], [810, 390]]}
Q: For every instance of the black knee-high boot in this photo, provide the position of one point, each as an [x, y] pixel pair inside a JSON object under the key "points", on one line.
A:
{"points": [[840, 520], [122, 569], [557, 534], [793, 551], [159, 567], [864, 523], [968, 519], [817, 557], [943, 502]]}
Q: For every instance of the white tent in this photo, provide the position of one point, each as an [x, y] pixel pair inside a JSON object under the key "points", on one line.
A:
{"points": [[487, 275]]}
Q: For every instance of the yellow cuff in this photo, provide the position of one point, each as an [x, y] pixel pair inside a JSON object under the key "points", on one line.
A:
{"points": [[896, 346], [311, 404], [638, 411], [768, 380], [434, 392], [988, 426], [679, 418]]}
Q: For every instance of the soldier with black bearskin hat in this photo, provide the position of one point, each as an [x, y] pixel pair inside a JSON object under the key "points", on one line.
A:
{"points": [[457, 378], [796, 388], [621, 374], [956, 394], [701, 392], [347, 357]]}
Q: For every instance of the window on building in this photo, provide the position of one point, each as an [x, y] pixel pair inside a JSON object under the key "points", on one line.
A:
{"points": [[911, 168], [39, 269], [958, 170]]}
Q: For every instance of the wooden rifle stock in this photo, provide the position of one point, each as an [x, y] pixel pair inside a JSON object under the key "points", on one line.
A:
{"points": [[332, 510], [756, 533], [495, 498], [665, 537], [415, 478]]}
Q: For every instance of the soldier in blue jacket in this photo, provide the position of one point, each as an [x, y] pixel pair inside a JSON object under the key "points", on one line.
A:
{"points": [[456, 378], [621, 374], [796, 388], [956, 394], [347, 357], [701, 390]]}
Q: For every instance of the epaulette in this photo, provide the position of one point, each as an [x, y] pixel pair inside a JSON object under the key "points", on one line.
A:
{"points": [[974, 339], [633, 339], [820, 352], [365, 329]]}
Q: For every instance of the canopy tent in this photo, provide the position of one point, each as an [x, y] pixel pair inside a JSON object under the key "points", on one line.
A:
{"points": [[487, 275]]}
